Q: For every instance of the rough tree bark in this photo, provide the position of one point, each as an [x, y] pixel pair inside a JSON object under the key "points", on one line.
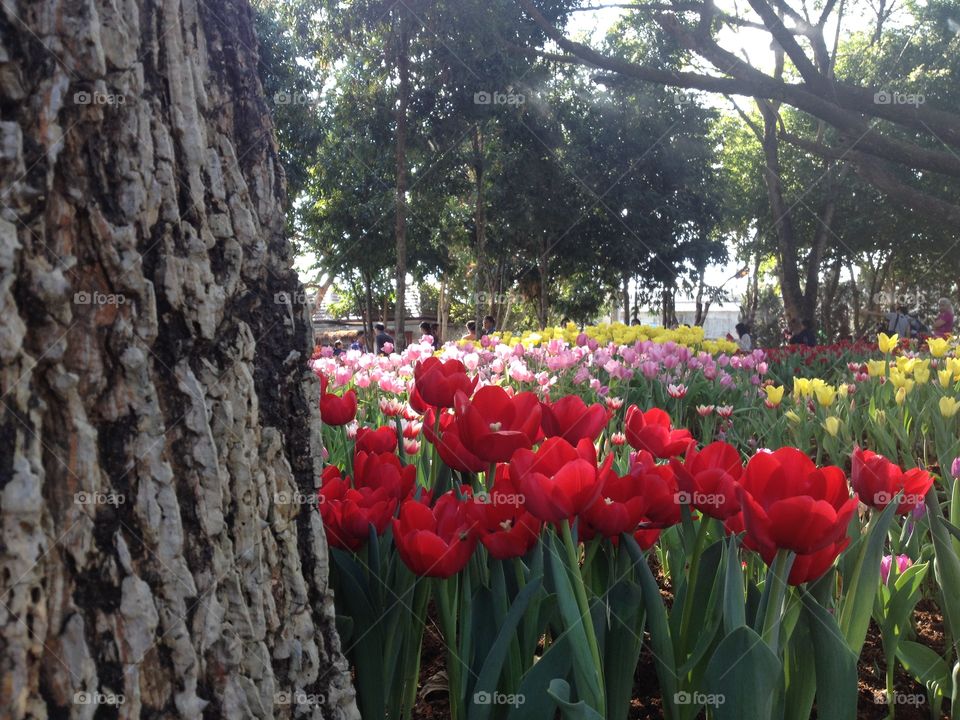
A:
{"points": [[158, 419]]}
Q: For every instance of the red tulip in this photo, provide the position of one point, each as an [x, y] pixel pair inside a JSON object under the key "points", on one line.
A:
{"points": [[506, 528], [708, 479], [812, 566], [338, 410], [559, 480], [493, 425], [381, 440], [348, 513], [619, 509], [647, 537], [439, 381], [658, 486], [877, 481], [437, 541], [651, 431], [572, 419], [788, 503], [416, 402], [449, 446], [383, 470]]}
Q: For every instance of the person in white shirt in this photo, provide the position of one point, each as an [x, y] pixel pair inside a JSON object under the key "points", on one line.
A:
{"points": [[744, 341]]}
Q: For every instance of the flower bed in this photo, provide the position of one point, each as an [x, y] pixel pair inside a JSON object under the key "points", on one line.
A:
{"points": [[521, 486]]}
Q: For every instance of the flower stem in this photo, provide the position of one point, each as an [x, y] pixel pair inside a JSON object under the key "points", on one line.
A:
{"points": [[580, 592], [777, 576]]}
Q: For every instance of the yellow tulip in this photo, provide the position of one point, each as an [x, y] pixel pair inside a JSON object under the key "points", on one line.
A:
{"points": [[945, 377], [876, 368], [801, 387], [897, 378], [832, 425], [938, 346], [792, 416], [921, 373], [949, 406], [774, 394], [901, 395], [887, 343], [880, 417], [825, 395]]}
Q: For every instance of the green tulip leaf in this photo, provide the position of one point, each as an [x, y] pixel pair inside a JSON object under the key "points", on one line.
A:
{"points": [[741, 680], [834, 662], [493, 664], [559, 690], [925, 665]]}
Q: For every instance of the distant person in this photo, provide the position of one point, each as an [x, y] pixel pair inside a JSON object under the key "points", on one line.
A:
{"points": [[359, 341], [337, 348], [802, 333], [435, 332], [382, 337], [489, 325], [898, 322], [425, 329], [744, 341], [943, 323], [471, 330]]}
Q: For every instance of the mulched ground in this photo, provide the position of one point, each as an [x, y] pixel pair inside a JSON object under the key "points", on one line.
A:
{"points": [[647, 704]]}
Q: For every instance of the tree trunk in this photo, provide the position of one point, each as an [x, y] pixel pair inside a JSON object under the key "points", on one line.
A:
{"points": [[400, 230], [480, 228], [159, 421], [544, 272], [626, 298], [787, 259]]}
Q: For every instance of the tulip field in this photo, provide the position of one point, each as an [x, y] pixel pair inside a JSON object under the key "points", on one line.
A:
{"points": [[632, 522]]}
